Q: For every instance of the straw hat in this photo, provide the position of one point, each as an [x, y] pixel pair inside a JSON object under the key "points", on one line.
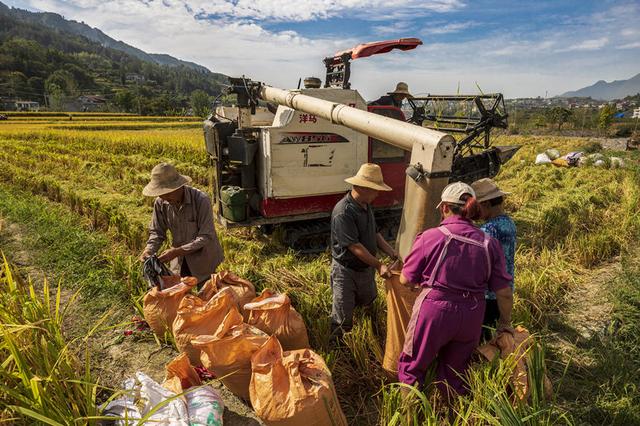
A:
{"points": [[164, 179], [453, 193], [402, 88], [369, 176], [486, 189]]}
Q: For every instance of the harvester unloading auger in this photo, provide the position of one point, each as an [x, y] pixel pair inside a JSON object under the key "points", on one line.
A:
{"points": [[288, 168]]}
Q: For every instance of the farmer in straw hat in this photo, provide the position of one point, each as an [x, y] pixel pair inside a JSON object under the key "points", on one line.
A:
{"points": [[354, 244], [454, 265], [186, 212], [500, 226], [394, 98]]}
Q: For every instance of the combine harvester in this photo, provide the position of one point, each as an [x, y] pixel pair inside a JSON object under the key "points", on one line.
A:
{"points": [[287, 168]]}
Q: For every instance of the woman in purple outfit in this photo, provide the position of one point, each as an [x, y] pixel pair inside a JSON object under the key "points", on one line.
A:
{"points": [[455, 264]]}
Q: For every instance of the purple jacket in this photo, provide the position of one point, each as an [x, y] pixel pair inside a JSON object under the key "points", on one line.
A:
{"points": [[464, 267]]}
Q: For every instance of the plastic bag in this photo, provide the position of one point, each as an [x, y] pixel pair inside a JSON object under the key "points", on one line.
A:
{"points": [[243, 291], [228, 352], [161, 306], [293, 388], [542, 159], [196, 317], [204, 404], [400, 300], [273, 314], [573, 158], [143, 395], [156, 273], [552, 153]]}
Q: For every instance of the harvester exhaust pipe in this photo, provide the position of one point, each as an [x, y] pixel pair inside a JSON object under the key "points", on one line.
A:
{"points": [[431, 149]]}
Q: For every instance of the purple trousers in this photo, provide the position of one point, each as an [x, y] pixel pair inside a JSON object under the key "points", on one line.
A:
{"points": [[448, 328]]}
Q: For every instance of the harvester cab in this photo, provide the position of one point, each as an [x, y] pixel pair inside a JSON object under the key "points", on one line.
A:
{"points": [[284, 164]]}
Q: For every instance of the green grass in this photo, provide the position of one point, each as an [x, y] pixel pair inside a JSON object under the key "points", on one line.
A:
{"points": [[42, 379], [603, 379], [64, 245]]}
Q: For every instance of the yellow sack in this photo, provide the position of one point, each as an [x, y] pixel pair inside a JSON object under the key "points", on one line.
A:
{"points": [[196, 317], [400, 300], [273, 314], [293, 388], [227, 352], [243, 290], [161, 306]]}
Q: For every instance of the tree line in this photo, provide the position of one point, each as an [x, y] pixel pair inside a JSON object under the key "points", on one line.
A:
{"points": [[49, 66]]}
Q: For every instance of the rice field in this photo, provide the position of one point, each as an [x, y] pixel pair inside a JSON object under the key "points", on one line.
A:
{"points": [[570, 221]]}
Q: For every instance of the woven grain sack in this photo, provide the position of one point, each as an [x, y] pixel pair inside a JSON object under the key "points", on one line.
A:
{"points": [[196, 317], [293, 388], [273, 314], [518, 343], [161, 306], [400, 300], [243, 291], [228, 352], [180, 375]]}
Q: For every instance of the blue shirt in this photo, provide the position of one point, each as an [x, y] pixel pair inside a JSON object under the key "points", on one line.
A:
{"points": [[503, 229]]}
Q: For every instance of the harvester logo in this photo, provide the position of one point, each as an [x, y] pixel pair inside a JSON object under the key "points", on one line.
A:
{"points": [[308, 137]]}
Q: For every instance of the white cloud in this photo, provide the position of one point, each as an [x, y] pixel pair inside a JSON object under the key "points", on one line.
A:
{"points": [[593, 44], [307, 10], [448, 28], [515, 63], [634, 45]]}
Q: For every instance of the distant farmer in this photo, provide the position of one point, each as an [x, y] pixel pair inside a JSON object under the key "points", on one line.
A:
{"points": [[454, 264], [394, 98], [186, 212], [501, 227], [354, 244]]}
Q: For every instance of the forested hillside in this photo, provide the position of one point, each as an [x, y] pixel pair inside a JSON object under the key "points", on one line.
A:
{"points": [[56, 67]]}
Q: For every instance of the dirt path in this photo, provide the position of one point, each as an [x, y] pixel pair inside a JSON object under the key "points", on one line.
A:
{"points": [[589, 306], [115, 356], [587, 312]]}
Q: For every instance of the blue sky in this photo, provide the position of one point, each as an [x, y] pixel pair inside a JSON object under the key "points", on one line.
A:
{"points": [[521, 48]]}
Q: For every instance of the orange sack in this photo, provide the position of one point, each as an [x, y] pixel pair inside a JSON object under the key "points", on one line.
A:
{"points": [[518, 343], [293, 388], [243, 290], [180, 375], [227, 352], [273, 314], [400, 300], [161, 306], [196, 317]]}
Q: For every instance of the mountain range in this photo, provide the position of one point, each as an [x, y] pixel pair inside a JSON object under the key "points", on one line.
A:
{"points": [[57, 22], [602, 90], [54, 61]]}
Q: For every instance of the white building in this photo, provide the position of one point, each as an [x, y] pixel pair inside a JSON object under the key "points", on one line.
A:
{"points": [[27, 106], [636, 113]]}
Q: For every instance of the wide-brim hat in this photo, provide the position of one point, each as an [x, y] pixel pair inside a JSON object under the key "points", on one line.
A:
{"points": [[454, 192], [164, 179], [401, 89], [486, 189], [369, 176]]}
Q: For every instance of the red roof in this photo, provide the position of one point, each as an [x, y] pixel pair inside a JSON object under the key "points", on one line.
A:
{"points": [[377, 47]]}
